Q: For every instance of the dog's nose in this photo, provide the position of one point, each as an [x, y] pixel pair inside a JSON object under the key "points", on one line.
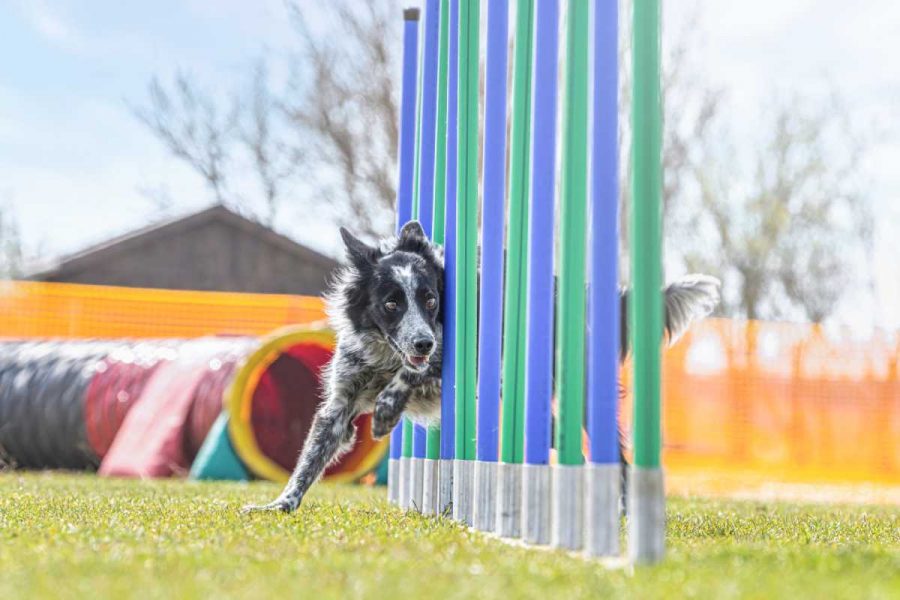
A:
{"points": [[424, 345]]}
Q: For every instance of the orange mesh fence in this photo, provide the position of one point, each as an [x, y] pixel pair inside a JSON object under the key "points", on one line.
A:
{"points": [[782, 401], [33, 309]]}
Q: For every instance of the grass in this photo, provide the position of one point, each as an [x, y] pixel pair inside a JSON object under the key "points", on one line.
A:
{"points": [[78, 536]]}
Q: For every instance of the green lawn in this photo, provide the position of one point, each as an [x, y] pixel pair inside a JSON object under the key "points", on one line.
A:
{"points": [[69, 536]]}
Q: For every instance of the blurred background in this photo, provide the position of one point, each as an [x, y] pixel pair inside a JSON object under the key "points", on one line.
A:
{"points": [[217, 145], [781, 135]]}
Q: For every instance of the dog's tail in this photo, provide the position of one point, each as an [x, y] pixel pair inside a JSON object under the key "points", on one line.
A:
{"points": [[689, 299]]}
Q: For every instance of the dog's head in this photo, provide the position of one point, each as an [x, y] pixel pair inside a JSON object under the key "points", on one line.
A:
{"points": [[397, 291]]}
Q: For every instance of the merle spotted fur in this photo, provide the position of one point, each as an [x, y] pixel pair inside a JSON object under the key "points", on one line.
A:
{"points": [[385, 307]]}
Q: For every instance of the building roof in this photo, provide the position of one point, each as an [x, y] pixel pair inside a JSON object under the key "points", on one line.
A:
{"points": [[116, 246]]}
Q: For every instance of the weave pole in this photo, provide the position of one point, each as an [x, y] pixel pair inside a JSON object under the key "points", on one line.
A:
{"points": [[512, 435], [568, 474], [427, 172], [646, 498], [539, 348], [466, 265], [490, 314], [448, 368], [431, 504], [603, 471], [406, 152], [424, 200]]}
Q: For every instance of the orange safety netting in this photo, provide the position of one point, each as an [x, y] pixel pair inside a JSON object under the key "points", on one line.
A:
{"points": [[781, 401], [34, 309]]}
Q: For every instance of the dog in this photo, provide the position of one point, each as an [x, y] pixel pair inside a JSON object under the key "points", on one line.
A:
{"points": [[385, 307]]}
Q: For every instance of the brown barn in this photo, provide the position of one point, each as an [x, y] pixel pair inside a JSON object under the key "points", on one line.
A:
{"points": [[214, 249]]}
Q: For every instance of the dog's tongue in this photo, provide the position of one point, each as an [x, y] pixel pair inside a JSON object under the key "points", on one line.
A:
{"points": [[418, 360]]}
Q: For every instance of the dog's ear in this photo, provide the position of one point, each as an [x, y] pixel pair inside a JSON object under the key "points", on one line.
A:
{"points": [[412, 239], [412, 231], [359, 253]]}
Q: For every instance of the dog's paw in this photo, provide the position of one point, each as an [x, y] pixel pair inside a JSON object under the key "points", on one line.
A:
{"points": [[279, 505], [383, 422]]}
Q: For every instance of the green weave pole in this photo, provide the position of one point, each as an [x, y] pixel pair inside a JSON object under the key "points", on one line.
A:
{"points": [[467, 231], [512, 433], [407, 439], [433, 448], [572, 275], [646, 311]]}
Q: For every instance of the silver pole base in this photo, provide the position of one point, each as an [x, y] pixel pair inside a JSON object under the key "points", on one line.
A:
{"points": [[601, 509], [536, 483], [567, 516], [646, 515], [394, 480], [485, 498], [463, 474], [445, 488], [404, 484], [417, 467], [430, 486], [509, 500]]}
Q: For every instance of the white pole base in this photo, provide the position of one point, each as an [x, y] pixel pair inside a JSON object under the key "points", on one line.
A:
{"points": [[567, 516], [646, 515], [404, 484], [445, 488], [601, 508], [417, 467], [430, 486], [463, 474], [509, 500], [394, 481], [536, 484], [485, 498]]}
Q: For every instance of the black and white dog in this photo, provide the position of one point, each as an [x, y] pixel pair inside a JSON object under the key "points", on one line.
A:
{"points": [[385, 307]]}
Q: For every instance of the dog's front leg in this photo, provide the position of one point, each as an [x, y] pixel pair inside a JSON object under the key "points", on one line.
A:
{"points": [[390, 404], [329, 432]]}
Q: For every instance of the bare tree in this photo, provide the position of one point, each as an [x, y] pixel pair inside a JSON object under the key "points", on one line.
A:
{"points": [[794, 236], [262, 131], [194, 128], [346, 110], [11, 253]]}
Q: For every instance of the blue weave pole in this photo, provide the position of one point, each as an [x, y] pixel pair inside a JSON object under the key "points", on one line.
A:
{"points": [[603, 475], [406, 161], [539, 350], [427, 125], [493, 214]]}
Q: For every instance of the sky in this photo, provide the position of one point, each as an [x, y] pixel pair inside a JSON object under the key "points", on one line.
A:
{"points": [[75, 163]]}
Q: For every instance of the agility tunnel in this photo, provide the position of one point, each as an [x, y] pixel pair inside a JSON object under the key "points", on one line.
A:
{"points": [[228, 407]]}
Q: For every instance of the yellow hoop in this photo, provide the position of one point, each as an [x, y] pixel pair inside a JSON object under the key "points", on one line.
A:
{"points": [[238, 401]]}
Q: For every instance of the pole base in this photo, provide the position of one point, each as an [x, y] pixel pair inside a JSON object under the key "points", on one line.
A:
{"points": [[601, 509], [430, 486], [646, 515], [417, 467], [485, 498], [568, 507], [445, 488], [509, 500], [405, 481], [536, 482], [463, 475], [394, 481]]}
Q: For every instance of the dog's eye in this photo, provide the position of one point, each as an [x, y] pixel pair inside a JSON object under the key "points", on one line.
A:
{"points": [[390, 306], [431, 303]]}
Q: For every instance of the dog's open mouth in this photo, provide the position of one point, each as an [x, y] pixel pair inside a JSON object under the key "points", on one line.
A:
{"points": [[418, 363]]}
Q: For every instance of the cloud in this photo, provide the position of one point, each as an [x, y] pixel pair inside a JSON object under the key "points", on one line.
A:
{"points": [[50, 23]]}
